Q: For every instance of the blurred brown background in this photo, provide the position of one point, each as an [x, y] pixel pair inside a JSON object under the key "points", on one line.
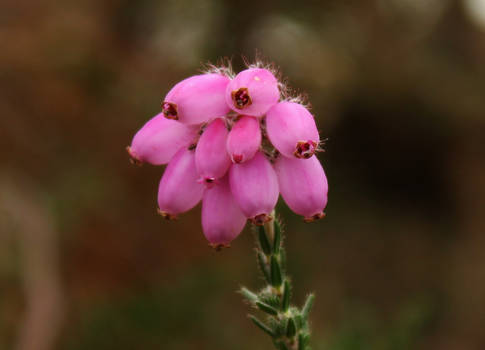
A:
{"points": [[398, 87]]}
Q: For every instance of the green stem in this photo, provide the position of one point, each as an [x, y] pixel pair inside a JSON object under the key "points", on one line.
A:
{"points": [[286, 324]]}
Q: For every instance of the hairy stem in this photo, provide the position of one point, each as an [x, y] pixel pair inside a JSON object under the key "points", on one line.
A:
{"points": [[286, 324]]}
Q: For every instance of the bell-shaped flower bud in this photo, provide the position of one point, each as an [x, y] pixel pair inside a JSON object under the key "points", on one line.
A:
{"points": [[292, 130], [179, 190], [222, 219], [159, 139], [244, 139], [253, 91], [254, 185], [211, 157], [197, 99], [303, 186]]}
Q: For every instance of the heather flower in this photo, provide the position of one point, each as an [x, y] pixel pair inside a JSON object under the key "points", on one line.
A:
{"points": [[222, 219], [179, 190], [233, 145], [211, 158], [292, 130], [254, 185], [197, 99], [244, 139], [303, 186], [159, 139], [252, 92], [236, 146]]}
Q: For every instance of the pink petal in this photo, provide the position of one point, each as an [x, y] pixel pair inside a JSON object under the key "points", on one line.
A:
{"points": [[222, 220], [159, 139], [253, 91], [244, 139], [303, 185], [179, 190], [197, 99], [292, 130], [211, 158], [255, 187]]}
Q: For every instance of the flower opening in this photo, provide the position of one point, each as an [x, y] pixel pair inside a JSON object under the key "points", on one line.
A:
{"points": [[241, 98], [170, 110], [305, 149]]}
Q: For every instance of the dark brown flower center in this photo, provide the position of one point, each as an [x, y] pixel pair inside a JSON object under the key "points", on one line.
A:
{"points": [[166, 215], [261, 219], [237, 158], [134, 159], [219, 246], [315, 217], [305, 149], [170, 110], [209, 182], [241, 98]]}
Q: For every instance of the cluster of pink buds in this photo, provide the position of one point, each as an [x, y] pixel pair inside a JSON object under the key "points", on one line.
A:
{"points": [[236, 144]]}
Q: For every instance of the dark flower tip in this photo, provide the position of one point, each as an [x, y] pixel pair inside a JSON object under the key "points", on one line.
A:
{"points": [[237, 158], [133, 157], [315, 217], [241, 98], [166, 215], [305, 149], [261, 219], [170, 110], [219, 246], [209, 182]]}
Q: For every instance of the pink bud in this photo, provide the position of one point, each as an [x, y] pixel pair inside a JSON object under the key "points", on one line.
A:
{"points": [[159, 139], [255, 187], [179, 190], [222, 220], [253, 91], [244, 139], [303, 185], [292, 130], [197, 99], [211, 157]]}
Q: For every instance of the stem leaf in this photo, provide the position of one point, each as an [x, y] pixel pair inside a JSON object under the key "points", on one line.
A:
{"points": [[263, 266], [280, 345], [264, 241], [276, 278], [305, 311], [291, 328], [270, 299], [282, 259], [303, 340], [250, 296], [285, 304], [267, 308], [262, 326], [277, 237]]}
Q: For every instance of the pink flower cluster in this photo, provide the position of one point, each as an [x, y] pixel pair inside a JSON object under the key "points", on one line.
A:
{"points": [[235, 144]]}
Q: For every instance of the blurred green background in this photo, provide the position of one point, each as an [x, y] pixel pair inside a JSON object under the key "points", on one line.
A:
{"points": [[398, 88]]}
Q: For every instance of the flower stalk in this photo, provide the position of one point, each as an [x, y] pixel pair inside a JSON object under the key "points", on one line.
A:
{"points": [[286, 324]]}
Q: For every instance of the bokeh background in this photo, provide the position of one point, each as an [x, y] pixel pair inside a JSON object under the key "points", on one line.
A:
{"points": [[398, 88]]}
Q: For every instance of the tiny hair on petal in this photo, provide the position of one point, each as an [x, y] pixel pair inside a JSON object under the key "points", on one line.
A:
{"points": [[223, 66]]}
